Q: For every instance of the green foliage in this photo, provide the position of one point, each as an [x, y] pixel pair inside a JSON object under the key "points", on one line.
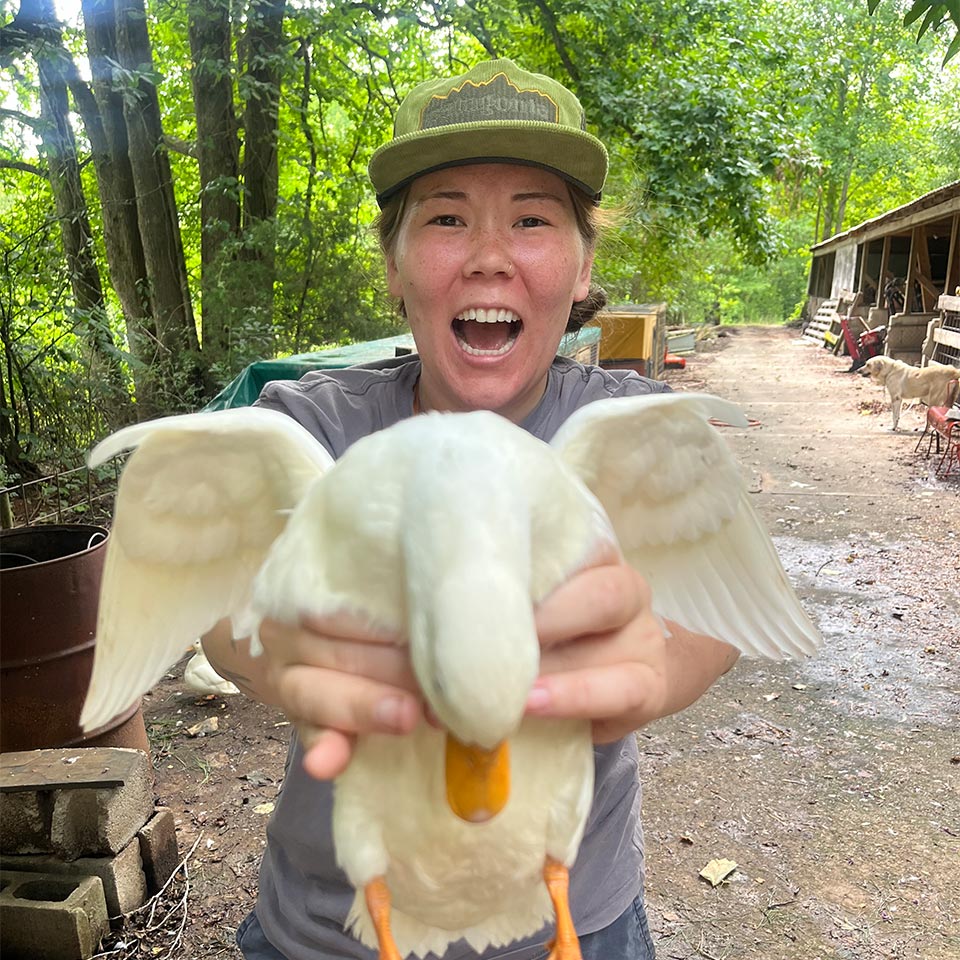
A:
{"points": [[933, 16], [56, 400], [738, 137]]}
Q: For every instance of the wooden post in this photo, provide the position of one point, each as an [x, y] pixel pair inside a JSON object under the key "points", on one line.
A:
{"points": [[928, 292], [861, 282], [953, 259], [911, 272], [884, 261]]}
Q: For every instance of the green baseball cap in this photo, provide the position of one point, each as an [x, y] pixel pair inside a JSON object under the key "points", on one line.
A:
{"points": [[494, 113]]}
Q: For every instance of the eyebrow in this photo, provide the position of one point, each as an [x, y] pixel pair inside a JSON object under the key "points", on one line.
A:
{"points": [[462, 195]]}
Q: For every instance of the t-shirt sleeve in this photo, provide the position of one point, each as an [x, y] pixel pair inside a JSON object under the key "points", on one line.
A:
{"points": [[316, 409]]}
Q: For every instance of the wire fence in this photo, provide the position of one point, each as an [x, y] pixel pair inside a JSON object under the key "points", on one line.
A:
{"points": [[77, 495]]}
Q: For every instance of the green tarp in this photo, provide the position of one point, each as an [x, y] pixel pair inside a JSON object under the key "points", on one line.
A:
{"points": [[246, 387]]}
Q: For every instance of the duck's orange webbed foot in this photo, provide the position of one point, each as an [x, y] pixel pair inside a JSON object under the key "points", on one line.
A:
{"points": [[565, 945], [378, 903]]}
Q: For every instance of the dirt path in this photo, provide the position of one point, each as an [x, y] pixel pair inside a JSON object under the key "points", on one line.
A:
{"points": [[834, 784]]}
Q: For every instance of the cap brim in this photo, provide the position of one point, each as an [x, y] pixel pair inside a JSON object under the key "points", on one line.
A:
{"points": [[575, 155]]}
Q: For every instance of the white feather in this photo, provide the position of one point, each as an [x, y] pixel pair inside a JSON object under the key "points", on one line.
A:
{"points": [[674, 494], [200, 501], [448, 529]]}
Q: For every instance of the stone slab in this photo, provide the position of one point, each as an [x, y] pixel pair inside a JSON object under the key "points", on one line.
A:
{"points": [[44, 917], [90, 800], [158, 848], [122, 876]]}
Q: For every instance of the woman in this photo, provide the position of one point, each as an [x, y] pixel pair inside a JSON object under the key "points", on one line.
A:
{"points": [[488, 194]]}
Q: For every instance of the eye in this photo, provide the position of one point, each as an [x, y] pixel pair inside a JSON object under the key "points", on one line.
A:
{"points": [[531, 221], [446, 220]]}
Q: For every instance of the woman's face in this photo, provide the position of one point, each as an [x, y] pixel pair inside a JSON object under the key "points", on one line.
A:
{"points": [[488, 261]]}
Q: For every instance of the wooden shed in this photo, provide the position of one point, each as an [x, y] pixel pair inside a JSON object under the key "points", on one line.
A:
{"points": [[892, 271]]}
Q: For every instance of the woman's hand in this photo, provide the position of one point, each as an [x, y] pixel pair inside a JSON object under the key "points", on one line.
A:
{"points": [[334, 677], [606, 658]]}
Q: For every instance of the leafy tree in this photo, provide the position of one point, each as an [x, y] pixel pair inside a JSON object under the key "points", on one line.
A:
{"points": [[932, 15], [202, 199]]}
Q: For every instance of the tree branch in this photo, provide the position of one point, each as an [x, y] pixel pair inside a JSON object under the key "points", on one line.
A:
{"points": [[187, 148], [20, 117], [551, 24], [23, 167]]}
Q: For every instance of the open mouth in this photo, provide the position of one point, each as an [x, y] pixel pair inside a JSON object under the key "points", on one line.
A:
{"points": [[487, 333]]}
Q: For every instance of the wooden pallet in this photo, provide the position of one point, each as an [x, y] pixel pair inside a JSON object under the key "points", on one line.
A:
{"points": [[826, 323]]}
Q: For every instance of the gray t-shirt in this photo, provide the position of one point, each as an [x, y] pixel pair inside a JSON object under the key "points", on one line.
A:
{"points": [[304, 897]]}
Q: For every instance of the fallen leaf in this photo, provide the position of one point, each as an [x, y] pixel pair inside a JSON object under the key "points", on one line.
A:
{"points": [[716, 871], [264, 807], [799, 686], [771, 696], [201, 729]]}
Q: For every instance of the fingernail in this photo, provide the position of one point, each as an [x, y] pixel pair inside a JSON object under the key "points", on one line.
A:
{"points": [[389, 713], [538, 698]]}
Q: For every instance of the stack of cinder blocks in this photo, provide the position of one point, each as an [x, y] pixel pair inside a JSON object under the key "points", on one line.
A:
{"points": [[81, 844]]}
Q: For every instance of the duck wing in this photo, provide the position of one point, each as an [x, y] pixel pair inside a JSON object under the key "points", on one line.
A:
{"points": [[676, 498], [200, 501]]}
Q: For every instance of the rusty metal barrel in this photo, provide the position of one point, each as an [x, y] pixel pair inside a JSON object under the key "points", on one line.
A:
{"points": [[49, 591]]}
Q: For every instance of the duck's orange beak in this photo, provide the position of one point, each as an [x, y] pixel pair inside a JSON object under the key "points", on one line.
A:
{"points": [[478, 780]]}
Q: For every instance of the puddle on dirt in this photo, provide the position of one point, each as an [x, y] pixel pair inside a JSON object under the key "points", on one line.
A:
{"points": [[890, 625]]}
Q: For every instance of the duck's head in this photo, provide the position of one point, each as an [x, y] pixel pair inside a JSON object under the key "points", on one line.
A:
{"points": [[472, 564], [476, 658], [475, 652]]}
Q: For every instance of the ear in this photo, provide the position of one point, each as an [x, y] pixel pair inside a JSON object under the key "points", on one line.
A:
{"points": [[582, 288], [394, 284]]}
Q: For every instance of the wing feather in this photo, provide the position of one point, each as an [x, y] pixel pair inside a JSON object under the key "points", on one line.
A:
{"points": [[200, 501], [676, 498]]}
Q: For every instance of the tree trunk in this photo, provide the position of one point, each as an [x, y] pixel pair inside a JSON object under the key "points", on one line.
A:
{"points": [[178, 360], [218, 156], [264, 46], [38, 21], [107, 132]]}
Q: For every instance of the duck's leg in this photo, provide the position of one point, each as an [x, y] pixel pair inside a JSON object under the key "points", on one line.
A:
{"points": [[565, 945], [378, 903]]}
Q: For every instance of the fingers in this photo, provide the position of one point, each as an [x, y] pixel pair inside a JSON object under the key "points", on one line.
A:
{"points": [[335, 685], [387, 664], [348, 626], [618, 697], [602, 653], [326, 752], [372, 656], [351, 704], [593, 601]]}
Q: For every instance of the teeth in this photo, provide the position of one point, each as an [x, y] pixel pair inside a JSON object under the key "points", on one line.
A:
{"points": [[492, 315], [474, 352]]}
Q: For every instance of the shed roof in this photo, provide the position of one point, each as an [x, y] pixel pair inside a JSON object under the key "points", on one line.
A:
{"points": [[938, 203]]}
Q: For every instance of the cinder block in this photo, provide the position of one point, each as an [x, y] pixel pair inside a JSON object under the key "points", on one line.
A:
{"points": [[25, 822], [100, 796], [50, 918], [158, 848], [124, 883]]}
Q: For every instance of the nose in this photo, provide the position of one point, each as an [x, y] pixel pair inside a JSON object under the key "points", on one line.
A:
{"points": [[489, 255]]}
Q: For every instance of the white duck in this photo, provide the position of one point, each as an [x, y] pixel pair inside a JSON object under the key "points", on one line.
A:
{"points": [[449, 529], [199, 675]]}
